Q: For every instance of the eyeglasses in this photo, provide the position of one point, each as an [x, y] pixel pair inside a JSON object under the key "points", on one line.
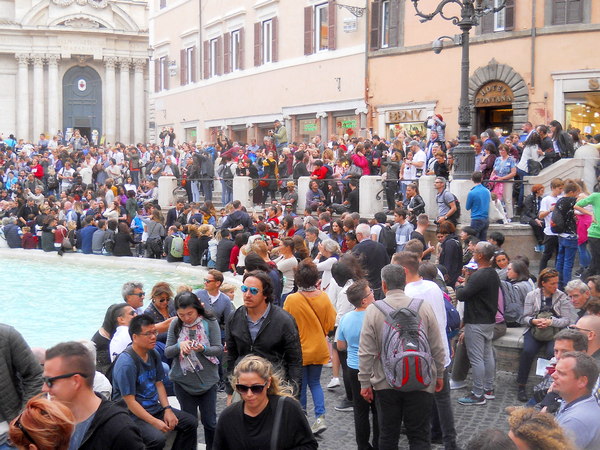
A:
{"points": [[49, 381], [576, 328], [140, 294], [252, 290], [368, 295], [255, 388], [24, 430], [149, 333], [206, 280], [162, 300]]}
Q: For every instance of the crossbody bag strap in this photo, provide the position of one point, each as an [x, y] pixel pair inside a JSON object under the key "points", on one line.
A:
{"points": [[277, 423], [314, 312]]}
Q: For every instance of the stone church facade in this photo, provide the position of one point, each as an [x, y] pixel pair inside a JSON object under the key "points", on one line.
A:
{"points": [[67, 64]]}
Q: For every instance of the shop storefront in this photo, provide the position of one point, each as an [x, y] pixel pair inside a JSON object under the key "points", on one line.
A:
{"points": [[577, 100], [308, 128], [404, 120], [346, 124]]}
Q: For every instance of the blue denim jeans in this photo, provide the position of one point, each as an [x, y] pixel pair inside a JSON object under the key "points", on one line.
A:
{"points": [[521, 174], [584, 255], [481, 226], [311, 377], [567, 248]]}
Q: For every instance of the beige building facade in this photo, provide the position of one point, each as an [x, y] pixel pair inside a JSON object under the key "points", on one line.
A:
{"points": [[67, 64], [237, 65], [533, 61]]}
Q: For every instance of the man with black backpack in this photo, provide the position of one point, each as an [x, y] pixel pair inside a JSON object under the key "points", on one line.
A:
{"points": [[447, 203], [401, 395], [563, 223], [381, 232]]}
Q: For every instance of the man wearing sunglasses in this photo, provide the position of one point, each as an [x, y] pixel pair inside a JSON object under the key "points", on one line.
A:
{"points": [[133, 294], [21, 377], [137, 379], [261, 328], [100, 424]]}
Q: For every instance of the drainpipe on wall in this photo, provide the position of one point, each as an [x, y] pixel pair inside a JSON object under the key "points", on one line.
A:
{"points": [[370, 112], [533, 36], [200, 134]]}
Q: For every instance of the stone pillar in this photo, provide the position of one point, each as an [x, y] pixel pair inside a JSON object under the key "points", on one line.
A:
{"points": [[138, 101], [461, 189], [428, 193], [124, 103], [241, 190], [38, 97], [166, 186], [303, 183], [323, 128], [53, 90], [110, 97], [369, 187], [22, 104]]}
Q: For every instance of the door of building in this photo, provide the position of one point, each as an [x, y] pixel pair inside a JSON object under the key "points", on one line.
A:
{"points": [[493, 107], [82, 101]]}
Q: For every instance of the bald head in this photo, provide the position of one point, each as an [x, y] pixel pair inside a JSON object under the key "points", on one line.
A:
{"points": [[589, 325]]}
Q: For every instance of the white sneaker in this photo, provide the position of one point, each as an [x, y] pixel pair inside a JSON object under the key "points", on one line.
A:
{"points": [[335, 382], [457, 384]]}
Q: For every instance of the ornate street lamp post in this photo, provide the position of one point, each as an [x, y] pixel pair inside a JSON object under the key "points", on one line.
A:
{"points": [[470, 12]]}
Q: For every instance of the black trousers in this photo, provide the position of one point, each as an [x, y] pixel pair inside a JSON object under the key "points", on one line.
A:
{"points": [[412, 408], [362, 425], [550, 248], [343, 355]]}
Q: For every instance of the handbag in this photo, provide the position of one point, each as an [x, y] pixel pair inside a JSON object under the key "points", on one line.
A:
{"points": [[263, 182], [533, 167], [544, 334]]}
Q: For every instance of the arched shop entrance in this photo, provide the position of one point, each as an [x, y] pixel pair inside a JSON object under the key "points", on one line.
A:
{"points": [[499, 98]]}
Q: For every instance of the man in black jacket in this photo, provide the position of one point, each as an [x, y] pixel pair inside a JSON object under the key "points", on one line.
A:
{"points": [[224, 248], [238, 221], [261, 328], [300, 169], [373, 255], [480, 294], [100, 424]]}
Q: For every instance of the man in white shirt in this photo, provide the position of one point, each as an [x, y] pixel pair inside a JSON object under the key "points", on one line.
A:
{"points": [[419, 157], [66, 175], [121, 339], [416, 287], [546, 208]]}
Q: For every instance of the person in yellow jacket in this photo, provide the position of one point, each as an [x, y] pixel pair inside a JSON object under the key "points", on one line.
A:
{"points": [[315, 317]]}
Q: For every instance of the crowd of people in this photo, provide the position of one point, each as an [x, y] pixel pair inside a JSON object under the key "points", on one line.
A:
{"points": [[320, 287]]}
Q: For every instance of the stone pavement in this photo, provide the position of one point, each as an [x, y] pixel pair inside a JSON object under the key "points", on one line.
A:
{"points": [[469, 420]]}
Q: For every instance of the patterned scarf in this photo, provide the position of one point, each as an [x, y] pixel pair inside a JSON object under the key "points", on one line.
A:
{"points": [[191, 363]]}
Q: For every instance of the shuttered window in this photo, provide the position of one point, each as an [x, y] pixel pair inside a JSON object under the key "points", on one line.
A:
{"points": [[567, 12], [266, 42], [162, 74], [385, 24], [235, 49], [213, 57], [187, 72], [503, 20], [320, 27]]}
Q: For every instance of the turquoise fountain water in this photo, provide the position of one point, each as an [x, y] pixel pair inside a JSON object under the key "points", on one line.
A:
{"points": [[50, 303]]}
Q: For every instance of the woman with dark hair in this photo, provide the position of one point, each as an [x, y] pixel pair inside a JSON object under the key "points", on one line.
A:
{"points": [[451, 252], [123, 240], [300, 249], [415, 205], [493, 137], [156, 233], [287, 227], [315, 317], [271, 173], [336, 231], [105, 333], [505, 169], [530, 162], [487, 161], [530, 214], [500, 262], [545, 307], [237, 258], [194, 345], [514, 290], [563, 142]]}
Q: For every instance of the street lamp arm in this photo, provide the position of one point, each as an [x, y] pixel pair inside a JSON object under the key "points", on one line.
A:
{"points": [[438, 11]]}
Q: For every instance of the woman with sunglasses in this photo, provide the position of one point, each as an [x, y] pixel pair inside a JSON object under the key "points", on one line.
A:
{"points": [[251, 423], [547, 298], [315, 317], [194, 344], [43, 425], [161, 309]]}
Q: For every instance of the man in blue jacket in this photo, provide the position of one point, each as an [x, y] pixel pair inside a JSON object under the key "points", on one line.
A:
{"points": [[84, 236], [478, 202]]}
